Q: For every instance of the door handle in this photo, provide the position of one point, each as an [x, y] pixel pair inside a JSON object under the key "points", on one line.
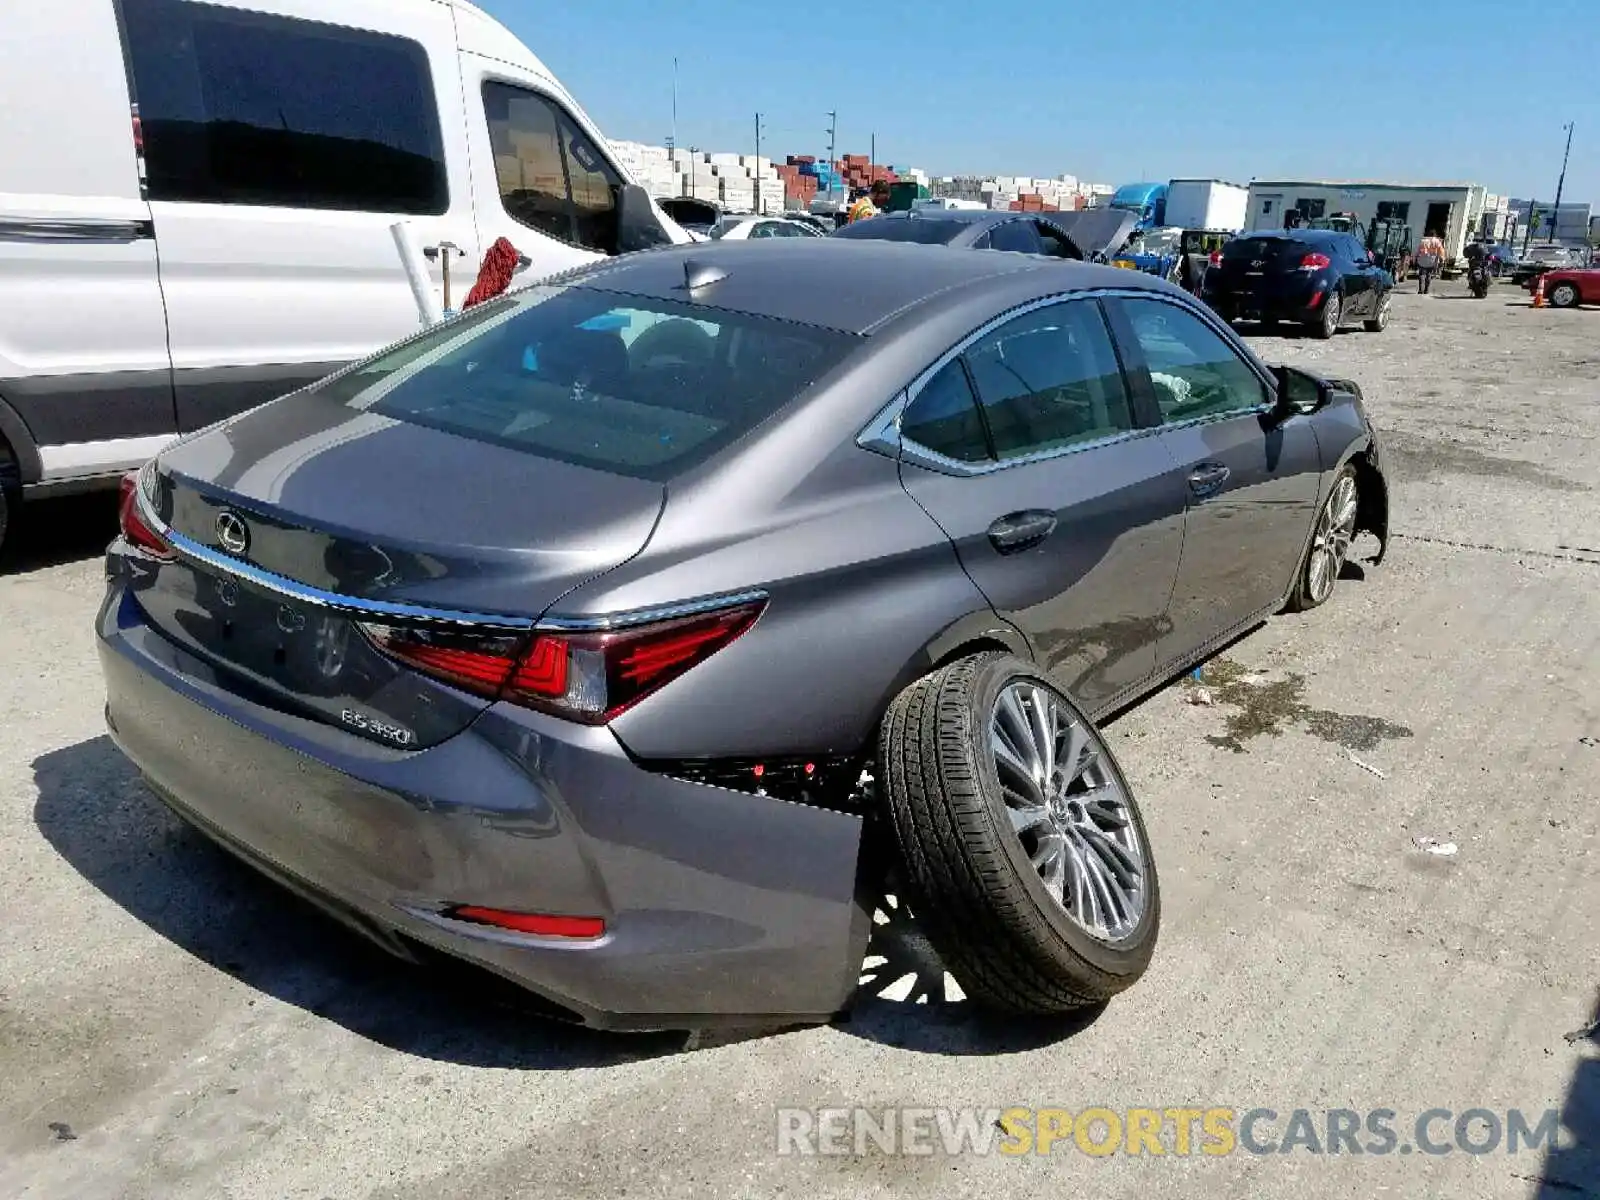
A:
{"points": [[1021, 530], [1208, 478]]}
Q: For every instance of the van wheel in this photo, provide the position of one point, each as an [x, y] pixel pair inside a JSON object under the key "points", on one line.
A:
{"points": [[1023, 852]]}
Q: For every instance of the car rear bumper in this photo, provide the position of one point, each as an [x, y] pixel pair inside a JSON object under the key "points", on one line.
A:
{"points": [[719, 906], [1241, 304]]}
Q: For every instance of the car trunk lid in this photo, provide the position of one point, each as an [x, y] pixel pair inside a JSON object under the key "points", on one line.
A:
{"points": [[288, 537]]}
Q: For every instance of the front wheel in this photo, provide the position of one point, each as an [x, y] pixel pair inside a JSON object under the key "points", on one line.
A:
{"points": [[1564, 295], [1024, 854], [1332, 317], [1330, 544], [1379, 321]]}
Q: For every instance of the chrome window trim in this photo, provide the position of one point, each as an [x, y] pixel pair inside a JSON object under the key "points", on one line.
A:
{"points": [[882, 434]]}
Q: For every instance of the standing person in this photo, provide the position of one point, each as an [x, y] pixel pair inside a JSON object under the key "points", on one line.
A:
{"points": [[871, 204], [1430, 257]]}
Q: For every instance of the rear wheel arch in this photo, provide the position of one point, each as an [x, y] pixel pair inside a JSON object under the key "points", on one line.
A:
{"points": [[19, 456]]}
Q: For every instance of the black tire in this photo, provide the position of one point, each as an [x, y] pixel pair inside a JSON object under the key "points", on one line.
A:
{"points": [[1304, 598], [1379, 321], [966, 873], [1564, 295], [1325, 326]]}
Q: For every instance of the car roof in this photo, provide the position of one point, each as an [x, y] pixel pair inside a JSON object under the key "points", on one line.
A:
{"points": [[954, 216], [852, 286], [1295, 235]]}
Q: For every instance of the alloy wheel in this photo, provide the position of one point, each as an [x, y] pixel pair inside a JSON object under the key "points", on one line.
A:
{"points": [[1069, 808], [1332, 312], [1382, 316], [1336, 529]]}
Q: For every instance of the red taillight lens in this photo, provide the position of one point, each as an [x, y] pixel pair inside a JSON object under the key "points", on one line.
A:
{"points": [[134, 530], [1216, 258], [583, 676], [1315, 262], [472, 662]]}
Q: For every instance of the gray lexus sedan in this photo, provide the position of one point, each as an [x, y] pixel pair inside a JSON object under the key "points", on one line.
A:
{"points": [[625, 634]]}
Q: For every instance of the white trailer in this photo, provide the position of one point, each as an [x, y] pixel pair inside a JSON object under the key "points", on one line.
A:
{"points": [[1206, 204]]}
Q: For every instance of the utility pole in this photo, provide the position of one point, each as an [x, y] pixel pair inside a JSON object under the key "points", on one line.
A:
{"points": [[872, 153], [833, 129], [1533, 219], [1555, 213], [759, 209], [694, 156]]}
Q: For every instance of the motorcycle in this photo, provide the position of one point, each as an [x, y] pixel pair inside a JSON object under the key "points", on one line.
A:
{"points": [[1478, 279]]}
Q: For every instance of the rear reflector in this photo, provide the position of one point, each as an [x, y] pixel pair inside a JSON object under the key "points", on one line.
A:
{"points": [[542, 924], [135, 531]]}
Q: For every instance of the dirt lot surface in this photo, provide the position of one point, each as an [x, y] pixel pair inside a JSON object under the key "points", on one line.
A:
{"points": [[171, 1026]]}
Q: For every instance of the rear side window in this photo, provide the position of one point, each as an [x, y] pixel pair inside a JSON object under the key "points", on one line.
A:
{"points": [[632, 385], [245, 108], [944, 417], [1050, 378], [552, 179]]}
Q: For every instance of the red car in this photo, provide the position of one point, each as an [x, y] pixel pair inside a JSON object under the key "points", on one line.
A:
{"points": [[1568, 287]]}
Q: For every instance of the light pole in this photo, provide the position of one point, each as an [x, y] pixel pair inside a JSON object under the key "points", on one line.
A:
{"points": [[759, 209], [833, 129]]}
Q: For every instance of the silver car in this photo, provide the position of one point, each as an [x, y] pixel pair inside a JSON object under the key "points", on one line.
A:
{"points": [[626, 634]]}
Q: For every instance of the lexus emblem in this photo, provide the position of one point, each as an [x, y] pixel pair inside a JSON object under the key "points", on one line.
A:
{"points": [[1260, 262], [232, 533]]}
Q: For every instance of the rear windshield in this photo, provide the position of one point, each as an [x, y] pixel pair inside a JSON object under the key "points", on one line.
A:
{"points": [[907, 229], [628, 384], [1264, 248]]}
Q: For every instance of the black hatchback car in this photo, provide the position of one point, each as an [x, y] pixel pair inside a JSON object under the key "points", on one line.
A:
{"points": [[1320, 278]]}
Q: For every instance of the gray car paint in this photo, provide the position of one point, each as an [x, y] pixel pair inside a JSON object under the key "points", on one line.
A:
{"points": [[865, 592]]}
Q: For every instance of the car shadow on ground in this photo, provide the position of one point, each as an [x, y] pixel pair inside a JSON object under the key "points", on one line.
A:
{"points": [[51, 533], [95, 811], [1572, 1169]]}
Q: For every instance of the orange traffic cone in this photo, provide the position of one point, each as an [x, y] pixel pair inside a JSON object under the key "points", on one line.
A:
{"points": [[1538, 292]]}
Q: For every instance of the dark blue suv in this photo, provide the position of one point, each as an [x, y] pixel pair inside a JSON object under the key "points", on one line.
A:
{"points": [[1320, 278]]}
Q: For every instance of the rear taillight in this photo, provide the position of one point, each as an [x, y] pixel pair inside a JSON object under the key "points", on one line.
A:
{"points": [[1216, 258], [135, 531], [584, 676], [1315, 262]]}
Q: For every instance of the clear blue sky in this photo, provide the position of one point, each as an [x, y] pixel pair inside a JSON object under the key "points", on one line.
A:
{"points": [[1112, 92]]}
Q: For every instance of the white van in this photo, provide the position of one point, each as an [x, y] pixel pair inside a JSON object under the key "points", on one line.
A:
{"points": [[196, 202]]}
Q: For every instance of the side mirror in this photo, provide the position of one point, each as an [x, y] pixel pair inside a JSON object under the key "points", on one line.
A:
{"points": [[1299, 393], [638, 227]]}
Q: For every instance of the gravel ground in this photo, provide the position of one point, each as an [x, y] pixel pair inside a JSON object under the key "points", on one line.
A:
{"points": [[171, 1026]]}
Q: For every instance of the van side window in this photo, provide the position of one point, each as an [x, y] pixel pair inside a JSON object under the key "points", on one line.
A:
{"points": [[552, 179], [245, 108]]}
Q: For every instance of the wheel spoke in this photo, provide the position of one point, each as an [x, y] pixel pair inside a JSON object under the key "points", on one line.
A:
{"points": [[1021, 783], [1120, 863], [1027, 817], [1085, 896], [1042, 726]]}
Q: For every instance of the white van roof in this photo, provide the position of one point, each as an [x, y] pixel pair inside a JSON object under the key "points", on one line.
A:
{"points": [[479, 33]]}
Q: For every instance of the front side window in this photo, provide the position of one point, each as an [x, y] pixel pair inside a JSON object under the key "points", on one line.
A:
{"points": [[1050, 378], [632, 385], [551, 177], [1196, 374], [245, 108], [1018, 236]]}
